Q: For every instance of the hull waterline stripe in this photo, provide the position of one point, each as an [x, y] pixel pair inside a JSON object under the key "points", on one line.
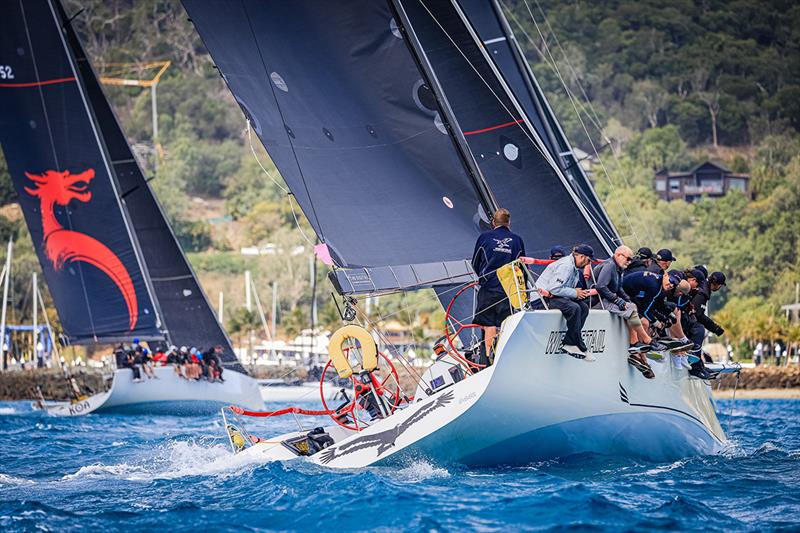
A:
{"points": [[490, 128], [35, 83]]}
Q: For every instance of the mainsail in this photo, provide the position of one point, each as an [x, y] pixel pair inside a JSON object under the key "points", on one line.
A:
{"points": [[488, 20], [350, 120], [54, 80], [378, 130], [61, 171]]}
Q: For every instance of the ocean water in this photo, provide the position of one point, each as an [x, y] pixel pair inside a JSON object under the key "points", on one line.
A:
{"points": [[140, 472]]}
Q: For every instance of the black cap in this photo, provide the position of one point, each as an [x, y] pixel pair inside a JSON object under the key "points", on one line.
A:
{"points": [[584, 249], [557, 252], [717, 278], [645, 253], [665, 254], [702, 269], [697, 274]]}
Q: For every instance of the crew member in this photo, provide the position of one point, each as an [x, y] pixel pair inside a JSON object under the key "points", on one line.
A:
{"points": [[641, 261], [494, 249], [608, 283], [649, 292], [663, 261], [696, 321], [557, 252], [558, 286]]}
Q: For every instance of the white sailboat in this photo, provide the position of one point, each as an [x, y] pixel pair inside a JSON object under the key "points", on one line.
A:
{"points": [[113, 265], [397, 128]]}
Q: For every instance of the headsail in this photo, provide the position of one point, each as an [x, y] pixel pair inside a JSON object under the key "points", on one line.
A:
{"points": [[488, 20], [185, 312], [511, 156], [61, 171], [348, 117]]}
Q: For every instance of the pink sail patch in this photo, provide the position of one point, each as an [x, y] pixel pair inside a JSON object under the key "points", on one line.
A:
{"points": [[323, 254]]}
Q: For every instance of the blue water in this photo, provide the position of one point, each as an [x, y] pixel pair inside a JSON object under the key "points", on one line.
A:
{"points": [[137, 472]]}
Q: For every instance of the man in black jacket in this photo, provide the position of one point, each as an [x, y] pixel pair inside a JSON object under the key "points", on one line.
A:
{"points": [[641, 261], [696, 321]]}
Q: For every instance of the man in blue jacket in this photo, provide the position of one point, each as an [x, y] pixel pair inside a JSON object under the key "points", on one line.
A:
{"points": [[494, 249], [559, 285]]}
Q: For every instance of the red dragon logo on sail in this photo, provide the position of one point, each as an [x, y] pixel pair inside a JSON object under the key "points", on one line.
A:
{"points": [[62, 245]]}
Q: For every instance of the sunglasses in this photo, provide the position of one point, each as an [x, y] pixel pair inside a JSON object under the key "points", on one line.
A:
{"points": [[627, 258]]}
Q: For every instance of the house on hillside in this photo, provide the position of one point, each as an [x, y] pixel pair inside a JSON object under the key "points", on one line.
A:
{"points": [[709, 179]]}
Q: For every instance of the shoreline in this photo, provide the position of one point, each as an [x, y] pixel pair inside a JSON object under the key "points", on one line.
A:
{"points": [[757, 394]]}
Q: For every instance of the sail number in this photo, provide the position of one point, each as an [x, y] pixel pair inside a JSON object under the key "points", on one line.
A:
{"points": [[6, 72]]}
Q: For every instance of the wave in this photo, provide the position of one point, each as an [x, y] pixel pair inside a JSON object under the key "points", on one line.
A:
{"points": [[417, 472], [8, 411], [176, 459], [5, 479]]}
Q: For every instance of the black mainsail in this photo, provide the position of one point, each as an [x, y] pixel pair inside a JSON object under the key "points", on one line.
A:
{"points": [[71, 104], [387, 137]]}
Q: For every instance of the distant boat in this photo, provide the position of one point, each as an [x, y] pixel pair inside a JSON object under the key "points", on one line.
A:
{"points": [[398, 133], [113, 265]]}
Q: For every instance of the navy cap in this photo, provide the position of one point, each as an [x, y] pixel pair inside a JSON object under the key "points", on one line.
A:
{"points": [[697, 274], [675, 273], [717, 278], [702, 269], [675, 279], [557, 252], [584, 249], [645, 253], [665, 254]]}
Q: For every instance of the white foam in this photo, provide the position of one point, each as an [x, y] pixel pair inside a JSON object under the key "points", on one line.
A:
{"points": [[8, 411], [5, 479], [176, 459], [664, 468], [417, 472]]}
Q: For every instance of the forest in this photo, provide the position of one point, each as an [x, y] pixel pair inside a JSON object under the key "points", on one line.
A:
{"points": [[641, 85]]}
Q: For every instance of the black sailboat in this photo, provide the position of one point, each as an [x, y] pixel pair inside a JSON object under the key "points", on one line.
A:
{"points": [[110, 259], [397, 134]]}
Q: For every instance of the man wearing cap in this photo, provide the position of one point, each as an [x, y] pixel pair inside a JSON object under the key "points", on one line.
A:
{"points": [[494, 249], [697, 321], [663, 261], [558, 285], [557, 252], [608, 283], [649, 292], [641, 261]]}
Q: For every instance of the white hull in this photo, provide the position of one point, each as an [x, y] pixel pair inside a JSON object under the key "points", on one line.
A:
{"points": [[167, 394], [533, 404], [298, 393]]}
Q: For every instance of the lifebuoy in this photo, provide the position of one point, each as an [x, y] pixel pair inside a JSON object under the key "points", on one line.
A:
{"points": [[369, 350]]}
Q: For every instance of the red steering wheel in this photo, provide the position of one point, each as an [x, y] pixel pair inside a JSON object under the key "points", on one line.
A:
{"points": [[469, 365], [382, 387]]}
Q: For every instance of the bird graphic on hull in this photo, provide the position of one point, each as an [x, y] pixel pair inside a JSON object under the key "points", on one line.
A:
{"points": [[63, 246]]}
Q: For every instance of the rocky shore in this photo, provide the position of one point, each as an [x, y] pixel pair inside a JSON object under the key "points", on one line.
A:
{"points": [[763, 381]]}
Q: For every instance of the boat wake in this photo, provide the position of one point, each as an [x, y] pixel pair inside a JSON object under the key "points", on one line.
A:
{"points": [[172, 460]]}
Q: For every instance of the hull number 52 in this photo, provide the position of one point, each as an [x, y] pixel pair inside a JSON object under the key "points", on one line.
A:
{"points": [[6, 73]]}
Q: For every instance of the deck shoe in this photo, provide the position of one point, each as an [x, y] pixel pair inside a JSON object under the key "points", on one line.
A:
{"points": [[639, 347], [641, 366], [574, 351], [658, 346]]}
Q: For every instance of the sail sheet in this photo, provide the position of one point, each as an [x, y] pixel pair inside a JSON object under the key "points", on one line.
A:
{"points": [[187, 317], [511, 157], [347, 115], [489, 22], [61, 171]]}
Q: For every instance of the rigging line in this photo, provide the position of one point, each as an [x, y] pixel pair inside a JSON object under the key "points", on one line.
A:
{"points": [[283, 121], [586, 131], [585, 211], [289, 193]]}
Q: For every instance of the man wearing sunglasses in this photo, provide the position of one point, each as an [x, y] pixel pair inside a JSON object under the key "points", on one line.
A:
{"points": [[608, 283]]}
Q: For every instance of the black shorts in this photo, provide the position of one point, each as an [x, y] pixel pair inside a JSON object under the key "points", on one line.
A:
{"points": [[491, 308]]}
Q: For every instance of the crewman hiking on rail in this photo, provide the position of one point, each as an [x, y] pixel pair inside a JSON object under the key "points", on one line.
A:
{"points": [[641, 261], [662, 262], [494, 249], [608, 283], [558, 286], [696, 322]]}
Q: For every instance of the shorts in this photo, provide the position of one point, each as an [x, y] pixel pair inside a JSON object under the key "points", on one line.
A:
{"points": [[630, 314], [491, 308]]}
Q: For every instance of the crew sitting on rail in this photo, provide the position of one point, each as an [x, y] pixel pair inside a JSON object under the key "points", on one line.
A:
{"points": [[662, 262], [608, 283], [649, 291], [494, 249], [695, 321], [558, 286]]}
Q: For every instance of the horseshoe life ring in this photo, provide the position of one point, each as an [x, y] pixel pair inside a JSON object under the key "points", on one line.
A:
{"points": [[369, 350]]}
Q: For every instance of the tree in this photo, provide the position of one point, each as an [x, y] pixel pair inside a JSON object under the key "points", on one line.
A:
{"points": [[651, 97]]}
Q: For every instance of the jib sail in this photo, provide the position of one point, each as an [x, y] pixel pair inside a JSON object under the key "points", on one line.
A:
{"points": [[488, 20], [61, 171], [511, 156]]}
